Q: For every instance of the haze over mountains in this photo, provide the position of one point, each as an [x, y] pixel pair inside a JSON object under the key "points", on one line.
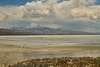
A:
{"points": [[37, 27], [38, 30]]}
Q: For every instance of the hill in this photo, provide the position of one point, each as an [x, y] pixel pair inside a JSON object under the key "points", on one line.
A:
{"points": [[40, 31]]}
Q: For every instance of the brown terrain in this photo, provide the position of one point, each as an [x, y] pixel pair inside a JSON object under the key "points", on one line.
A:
{"points": [[60, 62], [48, 31]]}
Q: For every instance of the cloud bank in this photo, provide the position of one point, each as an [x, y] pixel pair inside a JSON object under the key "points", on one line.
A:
{"points": [[52, 13]]}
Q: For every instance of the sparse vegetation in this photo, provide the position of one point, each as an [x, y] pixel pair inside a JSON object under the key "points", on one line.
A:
{"points": [[60, 62]]}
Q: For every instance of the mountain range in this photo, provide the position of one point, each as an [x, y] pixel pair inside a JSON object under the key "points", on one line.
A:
{"points": [[38, 30], [31, 28]]}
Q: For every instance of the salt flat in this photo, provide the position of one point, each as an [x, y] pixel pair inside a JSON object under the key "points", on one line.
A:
{"points": [[46, 48], [13, 50]]}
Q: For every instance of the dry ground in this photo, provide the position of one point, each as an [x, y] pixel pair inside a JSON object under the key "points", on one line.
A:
{"points": [[7, 47]]}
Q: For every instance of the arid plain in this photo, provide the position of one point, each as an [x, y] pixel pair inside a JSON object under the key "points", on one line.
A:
{"points": [[12, 51]]}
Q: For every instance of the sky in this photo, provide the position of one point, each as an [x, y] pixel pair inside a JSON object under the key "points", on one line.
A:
{"points": [[77, 15]]}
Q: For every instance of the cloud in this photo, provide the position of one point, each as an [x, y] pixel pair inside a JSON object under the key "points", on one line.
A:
{"points": [[52, 9], [52, 13], [37, 10], [33, 24], [10, 13]]}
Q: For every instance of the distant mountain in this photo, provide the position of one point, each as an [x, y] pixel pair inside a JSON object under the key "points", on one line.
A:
{"points": [[38, 30], [43, 31], [37, 26], [17, 28], [32, 28]]}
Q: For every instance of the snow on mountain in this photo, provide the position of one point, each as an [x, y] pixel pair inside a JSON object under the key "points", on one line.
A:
{"points": [[17, 28]]}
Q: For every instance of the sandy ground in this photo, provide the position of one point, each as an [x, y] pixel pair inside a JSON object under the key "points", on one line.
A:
{"points": [[48, 48], [14, 49]]}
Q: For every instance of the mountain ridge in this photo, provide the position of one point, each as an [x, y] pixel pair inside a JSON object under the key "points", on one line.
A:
{"points": [[41, 31], [31, 28], [38, 30]]}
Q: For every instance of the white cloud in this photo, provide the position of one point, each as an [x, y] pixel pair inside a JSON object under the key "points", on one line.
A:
{"points": [[33, 24], [51, 26], [10, 13], [50, 11]]}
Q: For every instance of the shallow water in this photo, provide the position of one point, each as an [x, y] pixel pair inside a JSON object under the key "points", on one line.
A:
{"points": [[55, 39]]}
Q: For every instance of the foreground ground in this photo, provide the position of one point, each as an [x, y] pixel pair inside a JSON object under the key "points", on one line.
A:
{"points": [[60, 62], [48, 48], [12, 51]]}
